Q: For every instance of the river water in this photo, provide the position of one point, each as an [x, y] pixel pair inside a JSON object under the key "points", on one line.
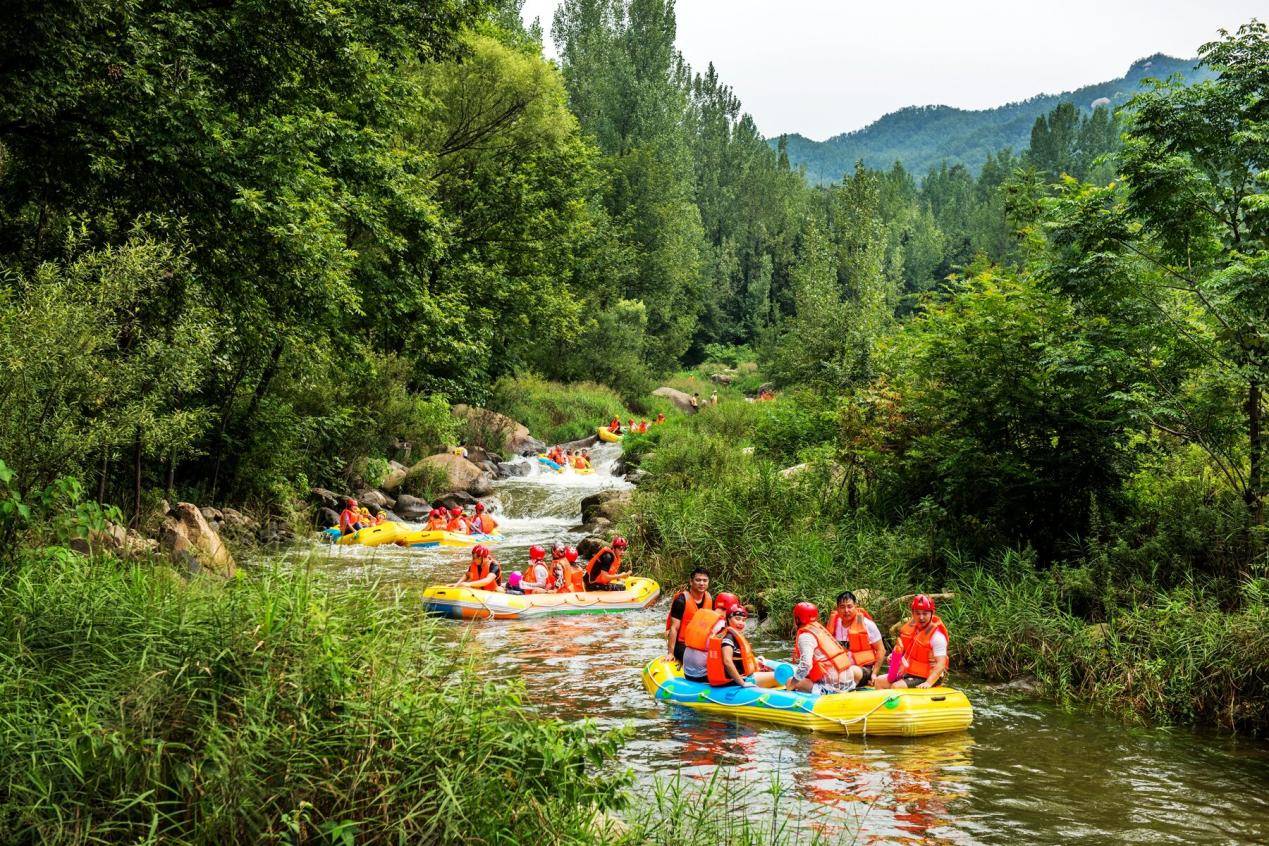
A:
{"points": [[1026, 772]]}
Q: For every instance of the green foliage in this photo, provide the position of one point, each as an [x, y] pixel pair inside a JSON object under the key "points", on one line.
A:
{"points": [[557, 413], [793, 424], [138, 706], [426, 481]]}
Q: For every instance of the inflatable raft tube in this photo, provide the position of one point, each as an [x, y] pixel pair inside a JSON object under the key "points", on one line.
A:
{"points": [[374, 535], [607, 436], [546, 462], [894, 713], [432, 539], [467, 604]]}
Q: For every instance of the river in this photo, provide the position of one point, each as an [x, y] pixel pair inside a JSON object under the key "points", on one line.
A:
{"points": [[1026, 772]]}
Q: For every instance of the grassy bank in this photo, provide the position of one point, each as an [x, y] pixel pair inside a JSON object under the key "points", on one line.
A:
{"points": [[557, 413], [1175, 655], [137, 707]]}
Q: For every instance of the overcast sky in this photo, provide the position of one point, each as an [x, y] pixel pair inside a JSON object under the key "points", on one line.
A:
{"points": [[821, 67]]}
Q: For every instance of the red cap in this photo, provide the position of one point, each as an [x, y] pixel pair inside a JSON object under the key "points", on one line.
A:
{"points": [[725, 602], [456, 512], [619, 542], [480, 506], [571, 554], [536, 553], [921, 602], [480, 551]]}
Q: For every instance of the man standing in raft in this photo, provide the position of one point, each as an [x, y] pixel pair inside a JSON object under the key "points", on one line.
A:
{"points": [[921, 650], [853, 628], [603, 571], [684, 605], [484, 573]]}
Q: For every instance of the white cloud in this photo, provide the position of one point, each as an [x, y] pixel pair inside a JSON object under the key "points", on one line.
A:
{"points": [[820, 67]]}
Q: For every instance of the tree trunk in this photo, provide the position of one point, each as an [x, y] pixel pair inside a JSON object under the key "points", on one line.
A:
{"points": [[136, 509], [1255, 474], [105, 470]]}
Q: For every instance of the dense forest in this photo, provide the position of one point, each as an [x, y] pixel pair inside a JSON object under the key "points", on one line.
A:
{"points": [[244, 252], [922, 137]]}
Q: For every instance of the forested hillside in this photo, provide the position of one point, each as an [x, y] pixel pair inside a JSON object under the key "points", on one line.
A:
{"points": [[922, 137]]}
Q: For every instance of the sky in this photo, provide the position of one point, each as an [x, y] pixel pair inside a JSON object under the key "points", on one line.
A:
{"points": [[823, 67]]}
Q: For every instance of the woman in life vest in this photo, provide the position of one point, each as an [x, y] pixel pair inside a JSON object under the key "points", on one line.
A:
{"points": [[603, 571], [922, 648], [685, 604], [350, 518], [821, 664], [614, 426], [576, 578], [457, 523], [853, 628], [537, 576], [483, 523], [484, 573], [586, 460], [729, 657], [703, 625]]}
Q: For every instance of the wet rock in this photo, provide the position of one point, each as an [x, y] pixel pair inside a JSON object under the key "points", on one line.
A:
{"points": [[610, 505], [411, 508], [600, 527], [682, 401], [636, 475], [1026, 685], [509, 469], [326, 499], [326, 518], [233, 518], [213, 516], [584, 443], [275, 532], [371, 496], [496, 432], [116, 540], [186, 536], [456, 499], [588, 546]]}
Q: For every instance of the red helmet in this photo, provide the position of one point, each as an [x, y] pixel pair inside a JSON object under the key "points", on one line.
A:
{"points": [[571, 554], [480, 506], [805, 612], [352, 503], [480, 551], [619, 542], [456, 512], [725, 602], [921, 602], [536, 553]]}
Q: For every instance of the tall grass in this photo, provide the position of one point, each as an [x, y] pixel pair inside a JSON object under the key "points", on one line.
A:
{"points": [[135, 707], [557, 413]]}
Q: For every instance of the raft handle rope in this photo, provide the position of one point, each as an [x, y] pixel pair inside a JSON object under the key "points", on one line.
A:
{"points": [[800, 705]]}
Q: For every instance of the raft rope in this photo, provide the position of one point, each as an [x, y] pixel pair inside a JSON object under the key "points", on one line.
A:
{"points": [[799, 705]]}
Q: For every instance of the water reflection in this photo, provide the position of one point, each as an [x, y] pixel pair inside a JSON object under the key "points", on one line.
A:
{"points": [[1027, 772]]}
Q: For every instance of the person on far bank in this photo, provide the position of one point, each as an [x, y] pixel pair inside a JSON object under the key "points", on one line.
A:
{"points": [[853, 627], [603, 571], [921, 650], [695, 402], [682, 608], [713, 398]]}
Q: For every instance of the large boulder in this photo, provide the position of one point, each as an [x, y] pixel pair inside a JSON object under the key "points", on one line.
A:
{"points": [[326, 518], [116, 540], [396, 472], [370, 496], [682, 401], [496, 432], [186, 536], [609, 505], [584, 443], [457, 499], [411, 508], [275, 532], [327, 499], [510, 469], [724, 378], [461, 474]]}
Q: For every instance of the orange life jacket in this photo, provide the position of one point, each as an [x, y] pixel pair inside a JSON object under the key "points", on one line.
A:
{"points": [[603, 577], [346, 519], [917, 650], [689, 609], [698, 632], [714, 668], [458, 526], [829, 654], [615, 425], [856, 637], [576, 578], [483, 524], [479, 569]]}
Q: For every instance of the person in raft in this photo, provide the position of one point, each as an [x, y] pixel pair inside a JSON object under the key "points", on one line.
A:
{"points": [[701, 626], [921, 650], [483, 523], [350, 518], [484, 573], [719, 635], [437, 519], [603, 571], [821, 664], [853, 628], [684, 605], [614, 426], [537, 575], [457, 523]]}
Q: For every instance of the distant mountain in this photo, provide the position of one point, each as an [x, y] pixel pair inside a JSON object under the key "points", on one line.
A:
{"points": [[923, 136]]}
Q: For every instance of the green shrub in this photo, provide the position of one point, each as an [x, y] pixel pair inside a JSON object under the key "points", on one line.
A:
{"points": [[137, 707], [376, 470], [555, 412], [426, 481]]}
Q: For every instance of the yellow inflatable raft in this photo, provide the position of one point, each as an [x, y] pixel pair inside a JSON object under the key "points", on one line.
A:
{"points": [[429, 539], [467, 604], [374, 535], [607, 436], [900, 713]]}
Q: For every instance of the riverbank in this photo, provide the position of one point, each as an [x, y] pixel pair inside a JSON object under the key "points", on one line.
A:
{"points": [[777, 532]]}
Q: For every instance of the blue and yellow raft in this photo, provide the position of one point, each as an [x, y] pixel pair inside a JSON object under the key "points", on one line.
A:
{"points": [[897, 713]]}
